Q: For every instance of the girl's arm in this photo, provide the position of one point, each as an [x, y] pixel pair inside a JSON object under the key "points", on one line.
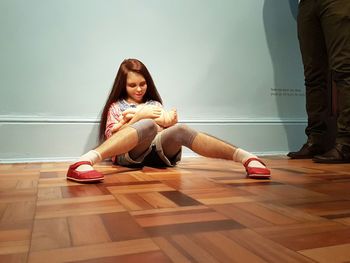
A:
{"points": [[142, 112], [161, 117], [124, 118], [113, 117], [116, 119], [118, 125], [167, 118]]}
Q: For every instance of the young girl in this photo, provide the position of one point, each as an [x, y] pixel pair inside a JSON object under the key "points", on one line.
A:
{"points": [[135, 130]]}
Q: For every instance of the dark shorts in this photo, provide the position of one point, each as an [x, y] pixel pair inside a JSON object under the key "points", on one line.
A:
{"points": [[154, 156]]}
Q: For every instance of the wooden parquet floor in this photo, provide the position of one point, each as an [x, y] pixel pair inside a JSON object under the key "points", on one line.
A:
{"points": [[203, 210]]}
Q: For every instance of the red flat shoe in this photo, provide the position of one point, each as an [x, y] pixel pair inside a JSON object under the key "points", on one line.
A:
{"points": [[84, 176], [256, 172]]}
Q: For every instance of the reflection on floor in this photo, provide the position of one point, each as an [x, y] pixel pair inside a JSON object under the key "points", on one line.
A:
{"points": [[204, 210]]}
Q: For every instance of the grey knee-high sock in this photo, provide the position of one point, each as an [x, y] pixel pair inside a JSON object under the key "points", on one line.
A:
{"points": [[146, 131], [176, 136]]}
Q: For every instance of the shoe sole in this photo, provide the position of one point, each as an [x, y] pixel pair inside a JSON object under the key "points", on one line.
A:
{"points": [[301, 157], [258, 176], [330, 162], [85, 180]]}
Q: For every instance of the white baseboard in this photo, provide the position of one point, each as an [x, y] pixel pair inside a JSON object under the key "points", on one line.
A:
{"points": [[57, 141], [72, 159]]}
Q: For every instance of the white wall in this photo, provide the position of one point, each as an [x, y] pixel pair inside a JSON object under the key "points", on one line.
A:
{"points": [[232, 68]]}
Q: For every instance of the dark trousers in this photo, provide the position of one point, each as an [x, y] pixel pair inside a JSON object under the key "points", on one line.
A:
{"points": [[324, 38]]}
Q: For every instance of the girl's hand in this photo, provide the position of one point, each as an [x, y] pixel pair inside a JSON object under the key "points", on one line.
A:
{"points": [[129, 111], [173, 117], [167, 118], [118, 125], [149, 112], [128, 116]]}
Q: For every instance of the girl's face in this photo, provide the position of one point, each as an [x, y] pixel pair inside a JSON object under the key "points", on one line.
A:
{"points": [[136, 87]]}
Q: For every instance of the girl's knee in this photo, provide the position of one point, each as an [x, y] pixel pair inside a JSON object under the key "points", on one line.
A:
{"points": [[146, 128], [183, 134], [183, 128], [149, 125]]}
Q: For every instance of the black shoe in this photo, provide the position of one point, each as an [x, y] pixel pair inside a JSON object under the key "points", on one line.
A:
{"points": [[307, 151], [338, 154]]}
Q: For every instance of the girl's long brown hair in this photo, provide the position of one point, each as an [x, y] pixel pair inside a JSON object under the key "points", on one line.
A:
{"points": [[118, 91]]}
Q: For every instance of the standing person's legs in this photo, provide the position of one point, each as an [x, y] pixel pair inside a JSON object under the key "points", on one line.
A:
{"points": [[173, 138], [335, 19], [315, 61], [134, 139]]}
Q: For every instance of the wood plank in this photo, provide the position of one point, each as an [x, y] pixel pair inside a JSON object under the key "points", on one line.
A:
{"points": [[326, 208], [18, 213], [334, 254], [315, 240], [50, 234], [122, 226], [93, 251], [264, 248], [77, 206], [86, 230], [15, 235], [180, 199], [18, 195], [170, 250], [266, 213], [157, 200], [194, 251], [128, 189], [49, 193], [133, 202], [224, 249], [171, 209], [14, 247], [289, 231], [193, 227], [178, 217], [75, 209], [81, 190], [245, 218], [147, 257], [14, 258]]}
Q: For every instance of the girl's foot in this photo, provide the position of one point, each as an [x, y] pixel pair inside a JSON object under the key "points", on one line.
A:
{"points": [[255, 168], [83, 176], [90, 158]]}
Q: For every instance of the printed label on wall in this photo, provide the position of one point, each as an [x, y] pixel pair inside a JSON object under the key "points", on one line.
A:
{"points": [[287, 92]]}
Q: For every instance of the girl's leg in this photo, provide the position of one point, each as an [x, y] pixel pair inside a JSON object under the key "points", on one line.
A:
{"points": [[134, 139], [206, 145]]}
